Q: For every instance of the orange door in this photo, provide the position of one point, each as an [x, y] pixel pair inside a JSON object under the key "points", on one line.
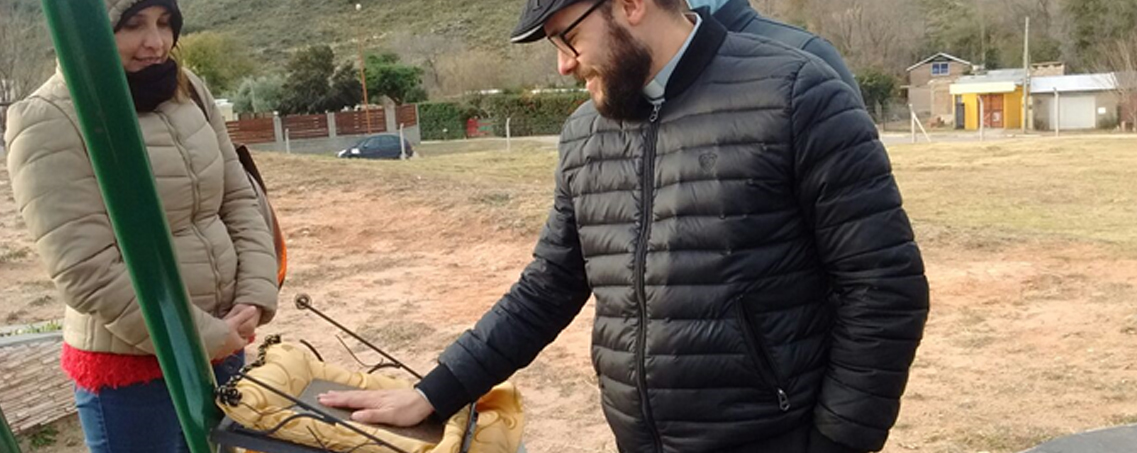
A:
{"points": [[993, 110]]}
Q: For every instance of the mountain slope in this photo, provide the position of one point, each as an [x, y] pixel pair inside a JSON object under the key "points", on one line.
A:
{"points": [[273, 27]]}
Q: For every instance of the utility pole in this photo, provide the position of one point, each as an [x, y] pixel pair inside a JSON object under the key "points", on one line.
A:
{"points": [[982, 33], [363, 73], [1026, 78]]}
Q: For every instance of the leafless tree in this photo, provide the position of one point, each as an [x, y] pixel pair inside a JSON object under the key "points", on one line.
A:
{"points": [[1121, 59], [882, 34], [25, 55]]}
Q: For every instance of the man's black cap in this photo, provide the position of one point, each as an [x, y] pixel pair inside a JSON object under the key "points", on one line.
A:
{"points": [[531, 26]]}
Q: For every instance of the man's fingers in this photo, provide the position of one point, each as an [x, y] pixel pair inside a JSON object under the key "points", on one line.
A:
{"points": [[373, 417], [355, 399], [334, 399]]}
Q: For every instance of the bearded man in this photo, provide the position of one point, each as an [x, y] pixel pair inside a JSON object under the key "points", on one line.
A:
{"points": [[727, 201]]}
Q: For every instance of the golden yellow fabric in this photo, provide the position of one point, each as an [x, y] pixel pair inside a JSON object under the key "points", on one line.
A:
{"points": [[290, 368]]}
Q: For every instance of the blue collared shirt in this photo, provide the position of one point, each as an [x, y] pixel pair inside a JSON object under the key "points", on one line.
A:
{"points": [[657, 88], [714, 5]]}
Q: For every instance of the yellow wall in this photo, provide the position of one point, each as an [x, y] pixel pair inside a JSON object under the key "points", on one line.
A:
{"points": [[971, 117], [1012, 110]]}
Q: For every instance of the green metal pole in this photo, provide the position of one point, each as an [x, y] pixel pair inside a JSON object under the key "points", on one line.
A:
{"points": [[84, 43], [8, 442]]}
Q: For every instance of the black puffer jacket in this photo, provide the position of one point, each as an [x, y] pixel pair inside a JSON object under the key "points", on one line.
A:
{"points": [[752, 266], [738, 16]]}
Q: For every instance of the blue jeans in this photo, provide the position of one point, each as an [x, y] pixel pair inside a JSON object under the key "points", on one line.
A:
{"points": [[139, 418]]}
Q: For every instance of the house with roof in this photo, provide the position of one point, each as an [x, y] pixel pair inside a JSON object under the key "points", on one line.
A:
{"points": [[929, 82], [995, 96]]}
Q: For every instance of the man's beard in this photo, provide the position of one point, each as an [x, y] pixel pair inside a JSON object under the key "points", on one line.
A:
{"points": [[622, 78]]}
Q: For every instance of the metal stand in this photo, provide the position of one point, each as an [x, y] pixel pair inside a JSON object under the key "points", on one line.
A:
{"points": [[231, 435]]}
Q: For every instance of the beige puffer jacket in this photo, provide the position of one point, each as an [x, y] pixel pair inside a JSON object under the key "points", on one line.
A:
{"points": [[224, 249]]}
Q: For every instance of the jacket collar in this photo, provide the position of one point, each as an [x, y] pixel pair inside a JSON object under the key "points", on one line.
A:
{"points": [[736, 14], [702, 50]]}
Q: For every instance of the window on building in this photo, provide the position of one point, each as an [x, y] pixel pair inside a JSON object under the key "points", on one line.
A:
{"points": [[940, 69]]}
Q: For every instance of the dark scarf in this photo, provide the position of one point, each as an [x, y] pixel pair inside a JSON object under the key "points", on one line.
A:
{"points": [[154, 85]]}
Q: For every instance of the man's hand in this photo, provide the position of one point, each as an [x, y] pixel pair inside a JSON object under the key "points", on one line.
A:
{"points": [[382, 407], [244, 318]]}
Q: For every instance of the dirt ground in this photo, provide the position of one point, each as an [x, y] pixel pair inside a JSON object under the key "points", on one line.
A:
{"points": [[1032, 335]]}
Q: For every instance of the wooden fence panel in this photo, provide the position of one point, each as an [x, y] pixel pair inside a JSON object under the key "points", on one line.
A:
{"points": [[407, 115], [306, 126], [257, 130], [355, 122]]}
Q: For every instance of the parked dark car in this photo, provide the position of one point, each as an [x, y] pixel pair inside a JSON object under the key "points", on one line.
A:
{"points": [[381, 146]]}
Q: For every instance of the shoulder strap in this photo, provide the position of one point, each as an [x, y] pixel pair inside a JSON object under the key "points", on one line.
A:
{"points": [[197, 100], [246, 159], [243, 154], [254, 175]]}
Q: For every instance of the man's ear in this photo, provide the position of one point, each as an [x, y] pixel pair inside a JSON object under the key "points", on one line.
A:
{"points": [[631, 12]]}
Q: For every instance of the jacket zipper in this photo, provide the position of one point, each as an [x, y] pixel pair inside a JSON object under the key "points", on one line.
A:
{"points": [[183, 150], [756, 346], [647, 185]]}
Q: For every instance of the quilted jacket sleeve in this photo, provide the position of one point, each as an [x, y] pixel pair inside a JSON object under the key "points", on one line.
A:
{"points": [[825, 51], [240, 211], [60, 201], [880, 294], [551, 292]]}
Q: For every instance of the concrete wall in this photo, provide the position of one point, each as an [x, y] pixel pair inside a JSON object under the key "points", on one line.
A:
{"points": [[33, 389], [933, 101], [921, 100]]}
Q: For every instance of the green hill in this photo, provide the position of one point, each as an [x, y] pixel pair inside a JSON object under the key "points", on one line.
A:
{"points": [[272, 27], [462, 44]]}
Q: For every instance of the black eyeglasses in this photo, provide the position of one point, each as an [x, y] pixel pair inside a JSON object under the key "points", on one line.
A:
{"points": [[560, 41]]}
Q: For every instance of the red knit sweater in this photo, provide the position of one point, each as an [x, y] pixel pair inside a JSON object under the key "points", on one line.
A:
{"points": [[94, 371]]}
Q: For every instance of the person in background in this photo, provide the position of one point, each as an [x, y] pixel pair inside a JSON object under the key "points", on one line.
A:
{"points": [[223, 245], [739, 17]]}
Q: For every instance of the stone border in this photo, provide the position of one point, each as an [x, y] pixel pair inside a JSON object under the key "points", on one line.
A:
{"points": [[35, 391]]}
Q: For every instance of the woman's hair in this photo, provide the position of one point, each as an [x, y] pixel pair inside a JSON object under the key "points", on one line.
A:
{"points": [[184, 86]]}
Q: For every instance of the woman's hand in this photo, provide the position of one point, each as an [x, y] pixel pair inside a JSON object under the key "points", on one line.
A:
{"points": [[245, 318]]}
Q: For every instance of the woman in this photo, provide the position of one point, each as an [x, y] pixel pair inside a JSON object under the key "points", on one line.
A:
{"points": [[224, 249]]}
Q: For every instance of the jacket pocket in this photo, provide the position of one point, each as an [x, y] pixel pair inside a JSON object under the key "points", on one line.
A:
{"points": [[759, 354]]}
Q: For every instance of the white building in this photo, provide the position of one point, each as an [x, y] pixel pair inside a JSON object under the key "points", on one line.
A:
{"points": [[1072, 102]]}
